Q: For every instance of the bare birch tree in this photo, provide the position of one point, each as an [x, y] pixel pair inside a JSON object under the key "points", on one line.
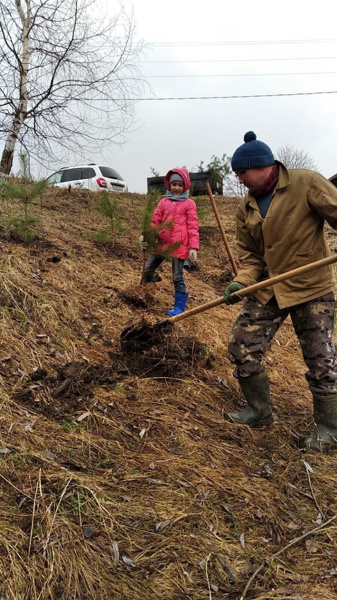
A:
{"points": [[233, 188], [68, 77], [293, 158]]}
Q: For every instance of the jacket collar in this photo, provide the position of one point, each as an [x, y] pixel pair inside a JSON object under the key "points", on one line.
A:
{"points": [[283, 177]]}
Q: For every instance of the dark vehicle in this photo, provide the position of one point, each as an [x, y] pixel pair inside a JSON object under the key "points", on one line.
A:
{"points": [[198, 184], [333, 179]]}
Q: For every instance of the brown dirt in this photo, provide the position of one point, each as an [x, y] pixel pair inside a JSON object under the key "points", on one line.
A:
{"points": [[120, 477]]}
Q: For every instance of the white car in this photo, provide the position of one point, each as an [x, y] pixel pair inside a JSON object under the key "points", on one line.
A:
{"points": [[89, 177]]}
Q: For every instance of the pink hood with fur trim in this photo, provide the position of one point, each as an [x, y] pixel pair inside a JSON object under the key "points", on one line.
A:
{"points": [[184, 174]]}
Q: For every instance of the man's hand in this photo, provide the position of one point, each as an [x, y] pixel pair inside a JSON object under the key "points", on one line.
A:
{"points": [[230, 297], [143, 244], [193, 256]]}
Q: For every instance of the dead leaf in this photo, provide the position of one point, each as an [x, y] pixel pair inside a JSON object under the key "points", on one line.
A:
{"points": [[156, 481], [203, 496], [48, 455], [155, 413], [295, 577], [227, 569], [29, 427], [242, 540], [115, 552], [83, 416], [183, 483], [222, 382], [329, 573], [162, 524], [142, 433], [293, 526], [88, 532], [188, 576], [128, 561], [43, 338], [64, 385], [311, 546], [307, 466]]}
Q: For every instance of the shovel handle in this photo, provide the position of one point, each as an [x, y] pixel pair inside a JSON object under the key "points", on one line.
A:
{"points": [[222, 232], [143, 268], [256, 286]]}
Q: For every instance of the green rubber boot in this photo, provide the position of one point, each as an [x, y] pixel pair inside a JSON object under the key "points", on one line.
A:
{"points": [[256, 392], [324, 435]]}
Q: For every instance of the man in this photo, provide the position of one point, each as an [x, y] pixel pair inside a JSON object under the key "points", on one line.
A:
{"points": [[280, 226]]}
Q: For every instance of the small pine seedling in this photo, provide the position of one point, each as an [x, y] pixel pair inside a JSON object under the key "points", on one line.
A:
{"points": [[110, 208], [25, 191]]}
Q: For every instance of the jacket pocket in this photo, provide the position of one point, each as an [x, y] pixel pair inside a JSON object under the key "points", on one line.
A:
{"points": [[311, 255]]}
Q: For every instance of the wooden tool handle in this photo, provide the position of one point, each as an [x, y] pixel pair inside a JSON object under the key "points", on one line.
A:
{"points": [[256, 286], [223, 235]]}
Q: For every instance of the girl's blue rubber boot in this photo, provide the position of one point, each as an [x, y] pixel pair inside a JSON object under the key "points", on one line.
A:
{"points": [[180, 301]]}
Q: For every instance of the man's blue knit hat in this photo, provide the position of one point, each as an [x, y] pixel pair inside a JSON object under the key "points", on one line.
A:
{"points": [[252, 154]]}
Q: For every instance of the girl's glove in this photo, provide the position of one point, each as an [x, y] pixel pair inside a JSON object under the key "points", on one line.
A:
{"points": [[230, 297], [142, 242], [193, 256]]}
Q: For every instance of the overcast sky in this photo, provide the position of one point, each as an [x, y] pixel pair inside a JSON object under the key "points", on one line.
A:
{"points": [[269, 65], [232, 49]]}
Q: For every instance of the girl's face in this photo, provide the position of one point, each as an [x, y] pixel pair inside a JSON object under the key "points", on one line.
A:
{"points": [[177, 187]]}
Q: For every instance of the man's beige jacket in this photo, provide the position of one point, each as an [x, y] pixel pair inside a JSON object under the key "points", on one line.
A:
{"points": [[290, 236]]}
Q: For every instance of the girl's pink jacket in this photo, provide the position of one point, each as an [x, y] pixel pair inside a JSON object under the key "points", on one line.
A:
{"points": [[183, 214]]}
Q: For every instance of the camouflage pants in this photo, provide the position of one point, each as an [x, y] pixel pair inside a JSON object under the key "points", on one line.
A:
{"points": [[313, 322]]}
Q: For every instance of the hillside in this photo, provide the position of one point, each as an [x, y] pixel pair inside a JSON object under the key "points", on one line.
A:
{"points": [[120, 478]]}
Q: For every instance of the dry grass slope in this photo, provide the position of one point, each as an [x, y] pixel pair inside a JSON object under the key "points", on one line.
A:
{"points": [[120, 478]]}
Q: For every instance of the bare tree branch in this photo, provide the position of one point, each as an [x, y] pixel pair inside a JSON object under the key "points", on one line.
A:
{"points": [[67, 74], [295, 159], [233, 187]]}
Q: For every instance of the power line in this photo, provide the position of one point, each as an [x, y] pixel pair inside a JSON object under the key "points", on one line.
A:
{"points": [[245, 74], [243, 43], [239, 60], [207, 97], [230, 97]]}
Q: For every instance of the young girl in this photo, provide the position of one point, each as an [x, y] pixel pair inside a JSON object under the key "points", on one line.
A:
{"points": [[181, 210]]}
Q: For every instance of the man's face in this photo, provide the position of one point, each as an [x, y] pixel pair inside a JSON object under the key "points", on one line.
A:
{"points": [[253, 178]]}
